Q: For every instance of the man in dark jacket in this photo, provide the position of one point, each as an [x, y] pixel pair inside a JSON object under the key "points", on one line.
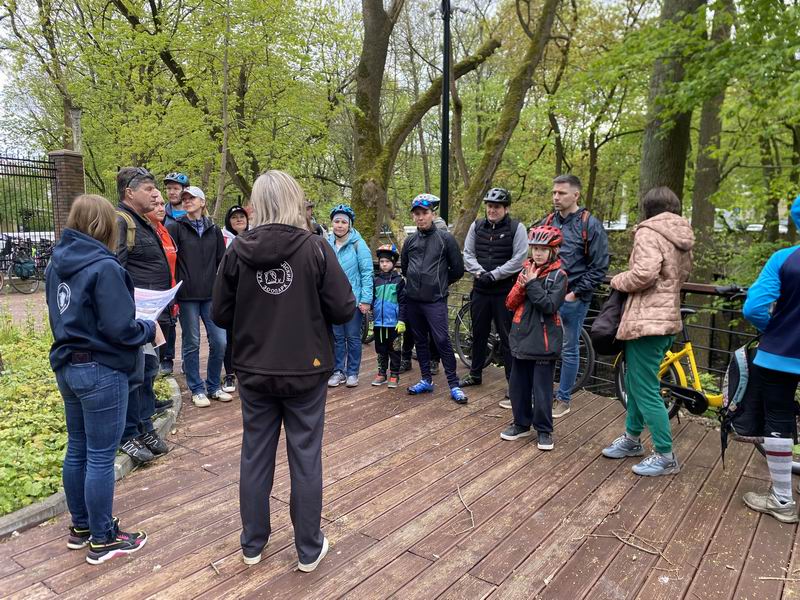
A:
{"points": [[494, 251], [174, 184], [431, 261], [584, 256], [140, 252]]}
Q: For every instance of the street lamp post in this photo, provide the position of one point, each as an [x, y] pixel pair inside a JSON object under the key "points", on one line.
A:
{"points": [[444, 181]]}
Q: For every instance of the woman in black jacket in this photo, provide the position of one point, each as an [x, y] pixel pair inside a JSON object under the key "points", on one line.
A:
{"points": [[280, 288], [200, 248]]}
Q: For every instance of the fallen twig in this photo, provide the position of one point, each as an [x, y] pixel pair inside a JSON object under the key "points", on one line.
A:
{"points": [[214, 566], [779, 578], [469, 510], [493, 416], [199, 435]]}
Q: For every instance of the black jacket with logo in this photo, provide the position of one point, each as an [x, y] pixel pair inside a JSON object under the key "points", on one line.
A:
{"points": [[430, 261], [198, 258], [279, 289]]}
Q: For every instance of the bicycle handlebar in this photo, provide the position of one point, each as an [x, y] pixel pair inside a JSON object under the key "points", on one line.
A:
{"points": [[731, 290]]}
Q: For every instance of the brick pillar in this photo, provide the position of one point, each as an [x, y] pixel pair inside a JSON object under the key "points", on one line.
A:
{"points": [[68, 185]]}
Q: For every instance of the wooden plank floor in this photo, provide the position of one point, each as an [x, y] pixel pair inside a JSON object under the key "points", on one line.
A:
{"points": [[400, 472]]}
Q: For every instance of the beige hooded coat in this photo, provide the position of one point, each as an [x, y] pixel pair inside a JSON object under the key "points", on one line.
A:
{"points": [[660, 263]]}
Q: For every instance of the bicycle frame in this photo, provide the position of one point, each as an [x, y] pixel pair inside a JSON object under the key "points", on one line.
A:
{"points": [[673, 359]]}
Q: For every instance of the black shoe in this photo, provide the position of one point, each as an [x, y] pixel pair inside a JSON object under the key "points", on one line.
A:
{"points": [[405, 366], [79, 537], [123, 543], [434, 367], [545, 441], [154, 443], [162, 405], [470, 380], [137, 451], [165, 369], [514, 432]]}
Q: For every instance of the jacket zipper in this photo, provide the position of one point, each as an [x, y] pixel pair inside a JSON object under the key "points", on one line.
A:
{"points": [[546, 342]]}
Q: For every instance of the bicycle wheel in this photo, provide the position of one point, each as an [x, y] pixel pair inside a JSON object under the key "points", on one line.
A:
{"points": [[24, 285], [586, 358], [462, 338], [671, 376]]}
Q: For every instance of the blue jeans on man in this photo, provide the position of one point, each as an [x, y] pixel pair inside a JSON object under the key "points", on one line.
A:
{"points": [[573, 314], [190, 316], [347, 345], [95, 400]]}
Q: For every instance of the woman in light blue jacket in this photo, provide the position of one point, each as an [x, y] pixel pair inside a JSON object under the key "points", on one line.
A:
{"points": [[356, 261]]}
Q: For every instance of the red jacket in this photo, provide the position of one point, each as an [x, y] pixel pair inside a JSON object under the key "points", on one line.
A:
{"points": [[170, 249]]}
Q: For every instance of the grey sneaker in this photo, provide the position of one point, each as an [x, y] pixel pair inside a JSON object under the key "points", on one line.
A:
{"points": [[352, 381], [767, 503], [505, 403], [623, 446], [336, 379], [657, 464], [560, 408]]}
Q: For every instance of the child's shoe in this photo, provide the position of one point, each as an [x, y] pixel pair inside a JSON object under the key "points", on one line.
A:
{"points": [[394, 381], [380, 379]]}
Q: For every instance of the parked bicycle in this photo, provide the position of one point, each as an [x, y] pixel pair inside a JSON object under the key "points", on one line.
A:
{"points": [[22, 272], [462, 341]]}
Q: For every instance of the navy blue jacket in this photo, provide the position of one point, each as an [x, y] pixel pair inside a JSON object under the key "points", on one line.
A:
{"points": [[90, 305]]}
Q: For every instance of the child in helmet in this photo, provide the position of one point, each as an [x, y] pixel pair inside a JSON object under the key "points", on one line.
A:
{"points": [[388, 309], [536, 336]]}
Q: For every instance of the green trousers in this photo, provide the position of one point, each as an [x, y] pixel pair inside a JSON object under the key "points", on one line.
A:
{"points": [[643, 357]]}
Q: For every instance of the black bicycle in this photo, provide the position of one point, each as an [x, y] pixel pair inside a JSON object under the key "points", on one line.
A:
{"points": [[462, 339], [19, 266]]}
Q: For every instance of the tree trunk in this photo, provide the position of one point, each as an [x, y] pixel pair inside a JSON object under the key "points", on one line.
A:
{"points": [[592, 184], [223, 158], [771, 230], [794, 177], [666, 138], [514, 100]]}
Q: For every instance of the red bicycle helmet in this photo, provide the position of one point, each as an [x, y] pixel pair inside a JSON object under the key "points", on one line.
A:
{"points": [[545, 235]]}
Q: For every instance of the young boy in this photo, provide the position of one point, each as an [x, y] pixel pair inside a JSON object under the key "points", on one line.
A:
{"points": [[389, 309], [536, 337], [431, 261]]}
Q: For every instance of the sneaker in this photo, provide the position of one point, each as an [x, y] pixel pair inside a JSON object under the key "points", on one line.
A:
{"points": [[514, 432], [380, 379], [405, 365], [623, 446], [657, 464], [79, 537], [458, 395], [163, 405], [421, 387], [505, 403], [123, 543], [336, 379], [351, 381], [544, 440], [200, 400], [560, 408], [229, 384], [767, 503], [470, 380], [253, 560], [307, 568], [434, 367], [154, 443], [137, 451], [220, 396], [394, 381], [165, 369]]}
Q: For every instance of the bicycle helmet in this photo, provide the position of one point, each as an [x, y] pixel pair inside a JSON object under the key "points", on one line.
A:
{"points": [[344, 209], [388, 251], [428, 201], [178, 178], [545, 235], [499, 196]]}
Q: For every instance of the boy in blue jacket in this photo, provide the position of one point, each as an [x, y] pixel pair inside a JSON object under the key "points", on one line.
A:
{"points": [[388, 309]]}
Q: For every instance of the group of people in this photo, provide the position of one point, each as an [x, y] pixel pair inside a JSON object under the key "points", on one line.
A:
{"points": [[248, 282]]}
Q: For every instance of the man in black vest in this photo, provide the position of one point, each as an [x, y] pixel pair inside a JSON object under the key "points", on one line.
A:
{"points": [[494, 251]]}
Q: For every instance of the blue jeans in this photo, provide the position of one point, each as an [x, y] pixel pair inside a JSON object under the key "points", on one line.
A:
{"points": [[95, 399], [572, 315], [347, 345], [190, 316]]}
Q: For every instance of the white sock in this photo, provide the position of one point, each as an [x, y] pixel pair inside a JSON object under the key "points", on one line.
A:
{"points": [[632, 438], [779, 461]]}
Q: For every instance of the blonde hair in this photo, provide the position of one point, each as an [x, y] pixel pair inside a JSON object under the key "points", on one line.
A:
{"points": [[278, 198], [94, 216]]}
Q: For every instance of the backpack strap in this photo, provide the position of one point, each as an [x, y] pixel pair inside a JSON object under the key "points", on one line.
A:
{"points": [[130, 229], [585, 230]]}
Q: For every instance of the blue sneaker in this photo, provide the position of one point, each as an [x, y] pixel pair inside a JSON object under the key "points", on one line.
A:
{"points": [[657, 464], [421, 387], [458, 395]]}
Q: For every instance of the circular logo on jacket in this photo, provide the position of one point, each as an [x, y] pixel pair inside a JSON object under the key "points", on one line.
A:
{"points": [[63, 294], [275, 281]]}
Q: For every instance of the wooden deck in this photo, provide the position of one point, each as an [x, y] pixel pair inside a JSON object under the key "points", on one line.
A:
{"points": [[399, 474]]}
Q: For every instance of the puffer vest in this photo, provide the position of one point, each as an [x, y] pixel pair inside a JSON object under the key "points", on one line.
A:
{"points": [[494, 246]]}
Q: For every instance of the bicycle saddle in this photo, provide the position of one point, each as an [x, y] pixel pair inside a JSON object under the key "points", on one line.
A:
{"points": [[685, 312]]}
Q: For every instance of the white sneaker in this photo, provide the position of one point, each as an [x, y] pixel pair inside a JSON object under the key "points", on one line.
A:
{"points": [[311, 566], [229, 384], [201, 400], [221, 396], [352, 381], [505, 403], [254, 560], [336, 379]]}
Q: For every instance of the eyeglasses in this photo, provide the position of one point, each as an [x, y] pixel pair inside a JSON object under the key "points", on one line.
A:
{"points": [[140, 172]]}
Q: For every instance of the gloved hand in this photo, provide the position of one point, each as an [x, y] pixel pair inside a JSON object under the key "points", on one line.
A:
{"points": [[486, 278], [400, 327]]}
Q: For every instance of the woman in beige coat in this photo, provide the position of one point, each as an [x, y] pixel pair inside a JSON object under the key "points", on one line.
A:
{"points": [[660, 263]]}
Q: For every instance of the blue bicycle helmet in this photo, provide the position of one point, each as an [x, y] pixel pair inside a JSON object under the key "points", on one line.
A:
{"points": [[343, 209], [428, 201], [178, 178]]}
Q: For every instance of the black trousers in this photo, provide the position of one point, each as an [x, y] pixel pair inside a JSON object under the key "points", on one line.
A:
{"points": [[228, 358], [303, 417], [387, 354], [532, 378], [775, 391], [429, 319], [486, 309], [168, 349], [408, 346]]}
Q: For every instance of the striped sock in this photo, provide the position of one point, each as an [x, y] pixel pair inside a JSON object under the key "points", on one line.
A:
{"points": [[779, 461]]}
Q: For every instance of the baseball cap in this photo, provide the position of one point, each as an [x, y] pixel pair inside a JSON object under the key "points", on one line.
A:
{"points": [[195, 191]]}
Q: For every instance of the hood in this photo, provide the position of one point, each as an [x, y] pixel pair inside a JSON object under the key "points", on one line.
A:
{"points": [[267, 246], [354, 237], [231, 210], [76, 251], [673, 227], [795, 212]]}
